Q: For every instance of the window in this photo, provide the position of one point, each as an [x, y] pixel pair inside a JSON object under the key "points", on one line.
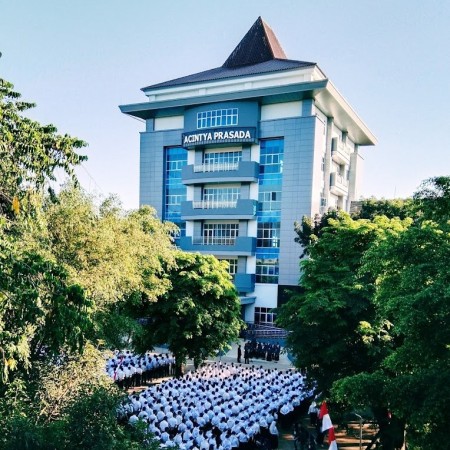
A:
{"points": [[269, 201], [271, 162], [222, 157], [174, 190], [268, 235], [217, 118], [264, 316], [267, 266], [221, 194], [269, 210], [220, 233], [232, 265]]}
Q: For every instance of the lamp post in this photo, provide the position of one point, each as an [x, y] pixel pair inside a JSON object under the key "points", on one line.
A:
{"points": [[360, 429]]}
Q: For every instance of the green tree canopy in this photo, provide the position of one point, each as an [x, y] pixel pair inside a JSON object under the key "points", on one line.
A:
{"points": [[29, 152], [432, 200], [58, 274], [325, 319], [199, 315], [372, 323], [110, 252], [372, 207]]}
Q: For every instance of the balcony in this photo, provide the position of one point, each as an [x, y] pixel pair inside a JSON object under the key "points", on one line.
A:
{"points": [[338, 184], [241, 172], [220, 246], [244, 282], [244, 209], [339, 152], [247, 300]]}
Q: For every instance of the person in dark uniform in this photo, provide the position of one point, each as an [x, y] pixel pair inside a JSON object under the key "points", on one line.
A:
{"points": [[239, 354], [246, 355]]}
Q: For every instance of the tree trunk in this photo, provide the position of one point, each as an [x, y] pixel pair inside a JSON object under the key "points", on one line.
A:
{"points": [[391, 429], [179, 360]]}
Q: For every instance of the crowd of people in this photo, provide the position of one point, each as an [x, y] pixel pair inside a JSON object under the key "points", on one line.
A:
{"points": [[129, 370], [259, 350], [220, 406]]}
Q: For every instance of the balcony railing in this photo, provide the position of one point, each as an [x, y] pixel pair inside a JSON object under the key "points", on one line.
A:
{"points": [[209, 204], [340, 152], [216, 167], [255, 331], [339, 179], [211, 240], [338, 184], [239, 209], [219, 245], [233, 171]]}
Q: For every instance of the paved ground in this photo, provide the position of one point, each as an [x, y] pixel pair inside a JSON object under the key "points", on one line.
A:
{"points": [[231, 356]]}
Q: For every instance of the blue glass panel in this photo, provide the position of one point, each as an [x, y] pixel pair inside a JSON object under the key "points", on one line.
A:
{"points": [[269, 211], [174, 190]]}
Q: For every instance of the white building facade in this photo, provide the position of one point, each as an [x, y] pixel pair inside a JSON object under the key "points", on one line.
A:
{"points": [[236, 154]]}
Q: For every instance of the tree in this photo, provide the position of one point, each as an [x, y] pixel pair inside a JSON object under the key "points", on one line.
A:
{"points": [[116, 256], [332, 323], [309, 230], [66, 266], [40, 310], [199, 315], [432, 200], [29, 152], [413, 294], [380, 286], [325, 319], [371, 208]]}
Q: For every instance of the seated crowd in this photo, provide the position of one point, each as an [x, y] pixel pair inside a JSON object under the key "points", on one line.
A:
{"points": [[217, 407]]}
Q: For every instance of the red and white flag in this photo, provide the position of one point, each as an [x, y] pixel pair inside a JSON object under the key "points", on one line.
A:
{"points": [[323, 414], [332, 440]]}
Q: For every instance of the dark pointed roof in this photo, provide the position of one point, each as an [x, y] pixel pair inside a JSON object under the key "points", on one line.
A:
{"points": [[258, 52], [259, 45]]}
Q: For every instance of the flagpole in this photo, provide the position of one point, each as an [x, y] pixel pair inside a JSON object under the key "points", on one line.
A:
{"points": [[360, 430]]}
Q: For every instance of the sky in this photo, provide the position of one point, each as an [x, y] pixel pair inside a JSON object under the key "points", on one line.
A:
{"points": [[78, 60]]}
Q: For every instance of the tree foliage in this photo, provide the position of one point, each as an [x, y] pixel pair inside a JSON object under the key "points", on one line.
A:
{"points": [[372, 323], [372, 207], [310, 229], [199, 315], [325, 319], [414, 295], [432, 200], [54, 286], [41, 311], [29, 152]]}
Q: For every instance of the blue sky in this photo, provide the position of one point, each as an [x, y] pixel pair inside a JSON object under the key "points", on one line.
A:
{"points": [[79, 60]]}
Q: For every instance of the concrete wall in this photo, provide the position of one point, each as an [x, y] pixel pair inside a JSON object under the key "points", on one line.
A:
{"points": [[298, 134], [151, 186]]}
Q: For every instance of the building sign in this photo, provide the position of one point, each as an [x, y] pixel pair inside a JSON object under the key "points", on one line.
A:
{"points": [[228, 135]]}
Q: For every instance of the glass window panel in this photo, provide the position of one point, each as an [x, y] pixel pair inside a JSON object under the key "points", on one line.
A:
{"points": [[264, 316], [218, 117], [174, 190]]}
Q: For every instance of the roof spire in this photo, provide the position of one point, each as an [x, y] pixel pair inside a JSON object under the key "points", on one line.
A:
{"points": [[259, 45]]}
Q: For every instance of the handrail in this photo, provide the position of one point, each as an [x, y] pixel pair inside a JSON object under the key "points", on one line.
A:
{"points": [[341, 148], [340, 179], [210, 240], [216, 167], [209, 204]]}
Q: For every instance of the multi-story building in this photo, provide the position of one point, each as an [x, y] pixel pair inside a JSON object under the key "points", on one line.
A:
{"points": [[236, 154]]}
